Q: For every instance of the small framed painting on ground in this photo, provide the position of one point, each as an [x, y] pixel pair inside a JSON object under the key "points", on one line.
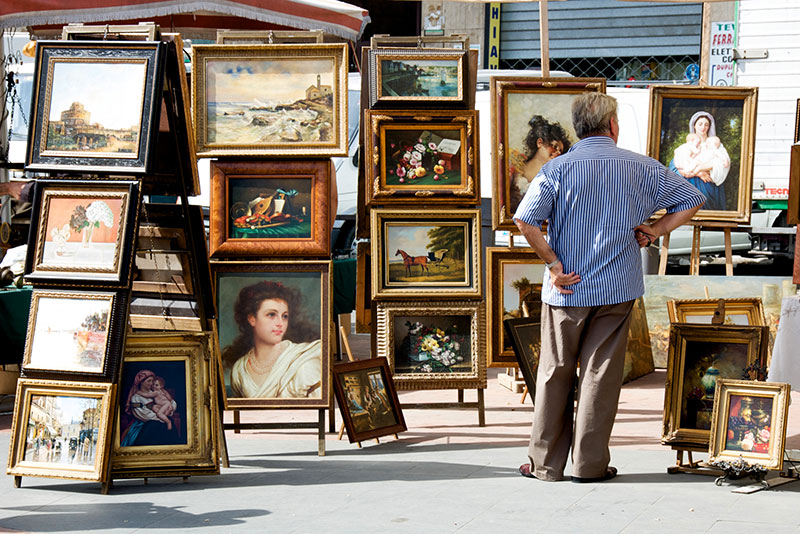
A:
{"points": [[275, 208], [525, 334], [699, 355], [61, 429], [95, 106], [433, 345], [749, 423], [367, 399]]}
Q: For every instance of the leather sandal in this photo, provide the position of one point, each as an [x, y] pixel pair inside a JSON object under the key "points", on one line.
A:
{"points": [[525, 470], [611, 472]]}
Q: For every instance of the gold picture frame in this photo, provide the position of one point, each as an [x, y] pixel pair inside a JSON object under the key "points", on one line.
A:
{"points": [[44, 440], [527, 270], [440, 253], [749, 423], [313, 77], [698, 356], [402, 330], [739, 311], [229, 37], [184, 365], [729, 113]]}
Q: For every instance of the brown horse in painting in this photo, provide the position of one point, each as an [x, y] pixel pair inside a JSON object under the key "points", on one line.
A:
{"points": [[409, 260]]}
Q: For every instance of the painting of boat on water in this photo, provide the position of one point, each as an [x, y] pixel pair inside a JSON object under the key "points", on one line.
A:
{"points": [[257, 100], [413, 76]]}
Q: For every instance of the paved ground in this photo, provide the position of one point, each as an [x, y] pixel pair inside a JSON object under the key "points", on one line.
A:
{"points": [[445, 474]]}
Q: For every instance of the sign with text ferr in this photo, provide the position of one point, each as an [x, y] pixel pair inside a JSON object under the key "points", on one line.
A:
{"points": [[723, 38]]}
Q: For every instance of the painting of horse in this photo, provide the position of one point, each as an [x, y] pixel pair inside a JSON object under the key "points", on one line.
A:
{"points": [[409, 261]]}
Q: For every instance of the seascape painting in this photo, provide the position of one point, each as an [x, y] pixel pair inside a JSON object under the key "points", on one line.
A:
{"points": [[260, 102], [419, 77], [62, 430], [270, 208], [83, 116], [426, 254], [69, 334]]}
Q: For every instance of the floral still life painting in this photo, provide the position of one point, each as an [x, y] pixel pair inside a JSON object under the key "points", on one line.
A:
{"points": [[423, 157], [83, 232], [434, 345]]}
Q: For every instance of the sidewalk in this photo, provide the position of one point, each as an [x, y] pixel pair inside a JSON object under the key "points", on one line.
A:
{"points": [[445, 474]]}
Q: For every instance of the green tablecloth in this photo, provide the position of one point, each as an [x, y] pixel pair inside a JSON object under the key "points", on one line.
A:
{"points": [[296, 230], [15, 305], [344, 285]]}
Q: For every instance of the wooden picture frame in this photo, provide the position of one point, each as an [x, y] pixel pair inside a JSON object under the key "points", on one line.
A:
{"points": [[270, 208], [523, 107], [512, 275], [727, 119], [456, 41], [43, 431], [698, 356], [367, 399], [749, 423], [296, 100], [95, 106], [75, 335], [793, 208], [363, 288], [454, 327], [739, 311], [398, 77], [83, 233], [424, 157], [306, 358], [183, 366], [440, 253], [269, 36], [525, 334]]}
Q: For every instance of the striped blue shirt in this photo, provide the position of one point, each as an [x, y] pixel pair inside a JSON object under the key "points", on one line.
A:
{"points": [[593, 197]]}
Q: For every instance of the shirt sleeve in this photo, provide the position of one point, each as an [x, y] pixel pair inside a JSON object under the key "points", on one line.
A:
{"points": [[675, 193], [538, 202]]}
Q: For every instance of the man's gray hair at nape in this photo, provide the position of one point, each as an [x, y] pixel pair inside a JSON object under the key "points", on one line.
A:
{"points": [[591, 114]]}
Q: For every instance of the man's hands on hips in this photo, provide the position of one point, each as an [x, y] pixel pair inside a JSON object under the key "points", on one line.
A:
{"points": [[645, 235], [560, 279]]}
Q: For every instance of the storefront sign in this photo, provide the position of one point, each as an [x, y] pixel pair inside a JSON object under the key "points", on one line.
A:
{"points": [[493, 48], [723, 37]]}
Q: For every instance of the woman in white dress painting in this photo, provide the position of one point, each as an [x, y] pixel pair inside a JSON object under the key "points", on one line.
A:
{"points": [[271, 358]]}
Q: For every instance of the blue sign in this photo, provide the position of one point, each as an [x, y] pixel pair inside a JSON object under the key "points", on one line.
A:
{"points": [[693, 72]]}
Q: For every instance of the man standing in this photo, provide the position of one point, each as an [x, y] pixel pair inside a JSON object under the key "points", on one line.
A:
{"points": [[595, 199]]}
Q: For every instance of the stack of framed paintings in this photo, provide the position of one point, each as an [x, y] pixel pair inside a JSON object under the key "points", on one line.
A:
{"points": [[84, 250], [272, 110], [421, 187]]}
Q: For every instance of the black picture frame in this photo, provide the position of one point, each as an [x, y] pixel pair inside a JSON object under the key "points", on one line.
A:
{"points": [[359, 378], [133, 155], [525, 334]]}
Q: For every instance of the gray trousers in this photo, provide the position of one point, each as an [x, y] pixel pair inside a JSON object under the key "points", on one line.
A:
{"points": [[595, 336]]}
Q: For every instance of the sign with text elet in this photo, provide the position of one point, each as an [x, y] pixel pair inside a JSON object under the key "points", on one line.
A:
{"points": [[723, 40]]}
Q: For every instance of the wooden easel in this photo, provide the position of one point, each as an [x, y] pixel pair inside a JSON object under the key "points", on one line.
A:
{"points": [[694, 260], [343, 337]]}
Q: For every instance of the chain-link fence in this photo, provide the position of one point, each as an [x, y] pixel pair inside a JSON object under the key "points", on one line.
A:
{"points": [[633, 71]]}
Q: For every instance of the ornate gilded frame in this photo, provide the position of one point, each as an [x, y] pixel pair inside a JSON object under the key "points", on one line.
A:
{"points": [[263, 55], [267, 270], [504, 88], [702, 311], [704, 98], [38, 269], [435, 190], [466, 282], [496, 259], [193, 351], [721, 450], [226, 175], [686, 396], [229, 37], [101, 393]]}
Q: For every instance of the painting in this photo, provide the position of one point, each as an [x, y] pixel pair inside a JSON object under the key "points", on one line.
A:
{"points": [[749, 423], [703, 311], [699, 355], [424, 157], [74, 333], [514, 276], [525, 336], [60, 429], [433, 345], [78, 122], [707, 135], [367, 399], [278, 208], [660, 289], [84, 232], [270, 100], [403, 77], [793, 208], [163, 419], [274, 321], [532, 124], [426, 253]]}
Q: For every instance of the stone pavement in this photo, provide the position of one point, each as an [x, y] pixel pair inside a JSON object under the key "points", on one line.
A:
{"points": [[445, 474]]}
